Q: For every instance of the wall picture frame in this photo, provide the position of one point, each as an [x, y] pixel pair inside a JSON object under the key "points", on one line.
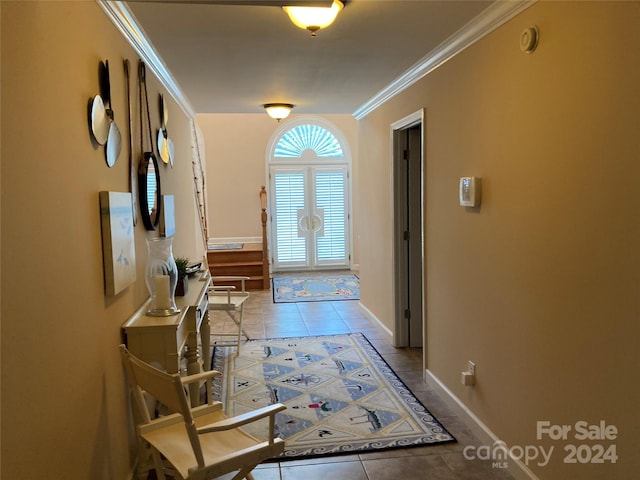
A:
{"points": [[168, 216], [118, 241]]}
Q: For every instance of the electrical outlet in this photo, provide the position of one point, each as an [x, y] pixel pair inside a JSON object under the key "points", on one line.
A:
{"points": [[471, 368], [468, 378]]}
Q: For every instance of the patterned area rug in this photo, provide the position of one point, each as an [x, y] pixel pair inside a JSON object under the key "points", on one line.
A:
{"points": [[316, 288], [341, 396], [225, 246]]}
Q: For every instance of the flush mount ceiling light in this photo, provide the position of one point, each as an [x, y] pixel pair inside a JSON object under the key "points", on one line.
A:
{"points": [[314, 18], [278, 111]]}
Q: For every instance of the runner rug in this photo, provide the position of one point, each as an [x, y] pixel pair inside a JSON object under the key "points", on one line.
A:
{"points": [[341, 396], [316, 288], [225, 246]]}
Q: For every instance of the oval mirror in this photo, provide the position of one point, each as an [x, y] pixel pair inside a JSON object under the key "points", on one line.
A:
{"points": [[149, 189], [163, 147], [114, 141], [99, 121]]}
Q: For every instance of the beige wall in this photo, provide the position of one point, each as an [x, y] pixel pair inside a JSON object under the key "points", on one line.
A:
{"points": [[540, 285], [64, 406], [236, 148]]}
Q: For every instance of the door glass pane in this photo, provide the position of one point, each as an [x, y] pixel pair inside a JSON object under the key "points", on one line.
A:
{"points": [[289, 199], [330, 204]]}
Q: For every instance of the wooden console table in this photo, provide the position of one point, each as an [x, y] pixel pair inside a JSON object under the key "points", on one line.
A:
{"points": [[171, 343]]}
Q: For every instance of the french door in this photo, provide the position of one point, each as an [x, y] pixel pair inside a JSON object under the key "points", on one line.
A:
{"points": [[310, 220]]}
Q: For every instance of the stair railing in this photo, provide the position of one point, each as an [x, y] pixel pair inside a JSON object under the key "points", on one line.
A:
{"points": [[265, 248]]}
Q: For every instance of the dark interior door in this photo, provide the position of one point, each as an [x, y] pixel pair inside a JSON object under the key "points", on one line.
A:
{"points": [[408, 235]]}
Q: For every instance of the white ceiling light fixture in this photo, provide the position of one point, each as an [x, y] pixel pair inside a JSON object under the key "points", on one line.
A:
{"points": [[278, 111], [314, 18]]}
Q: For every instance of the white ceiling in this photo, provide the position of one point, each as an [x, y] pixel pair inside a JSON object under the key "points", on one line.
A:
{"points": [[234, 58]]}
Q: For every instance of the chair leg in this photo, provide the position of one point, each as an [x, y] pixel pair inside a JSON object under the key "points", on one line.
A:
{"points": [[244, 473], [157, 462], [241, 320], [239, 323], [237, 317]]}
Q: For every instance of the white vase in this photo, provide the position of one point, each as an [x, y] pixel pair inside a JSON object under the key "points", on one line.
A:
{"points": [[161, 276]]}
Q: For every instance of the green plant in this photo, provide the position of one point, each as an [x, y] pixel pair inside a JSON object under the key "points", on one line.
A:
{"points": [[182, 263]]}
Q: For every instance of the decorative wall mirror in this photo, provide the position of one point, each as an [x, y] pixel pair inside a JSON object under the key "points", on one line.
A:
{"points": [[148, 173], [149, 187]]}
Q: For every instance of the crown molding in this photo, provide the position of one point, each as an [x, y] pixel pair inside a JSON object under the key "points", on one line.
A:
{"points": [[125, 21], [491, 18]]}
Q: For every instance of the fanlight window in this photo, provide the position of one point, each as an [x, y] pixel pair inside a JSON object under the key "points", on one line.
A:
{"points": [[308, 137]]}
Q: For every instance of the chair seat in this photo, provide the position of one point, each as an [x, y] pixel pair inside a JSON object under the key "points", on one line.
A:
{"points": [[225, 451], [222, 301]]}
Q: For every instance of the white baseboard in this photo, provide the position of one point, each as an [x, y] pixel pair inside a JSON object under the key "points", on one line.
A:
{"points": [[515, 467], [369, 314], [133, 474]]}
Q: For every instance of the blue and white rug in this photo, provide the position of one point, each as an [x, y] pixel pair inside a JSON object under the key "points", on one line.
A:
{"points": [[225, 246], [316, 288], [341, 396]]}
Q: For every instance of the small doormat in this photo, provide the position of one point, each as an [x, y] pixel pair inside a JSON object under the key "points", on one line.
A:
{"points": [[316, 288], [341, 396], [226, 246]]}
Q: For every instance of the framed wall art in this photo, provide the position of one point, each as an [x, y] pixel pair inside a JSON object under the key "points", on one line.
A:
{"points": [[118, 243], [168, 217]]}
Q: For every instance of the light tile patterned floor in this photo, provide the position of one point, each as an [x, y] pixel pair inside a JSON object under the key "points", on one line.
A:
{"points": [[264, 319]]}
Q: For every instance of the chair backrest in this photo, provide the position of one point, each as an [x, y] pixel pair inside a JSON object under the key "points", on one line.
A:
{"points": [[166, 388]]}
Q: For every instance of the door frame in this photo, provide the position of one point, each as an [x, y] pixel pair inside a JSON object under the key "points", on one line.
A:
{"points": [[402, 327], [346, 160]]}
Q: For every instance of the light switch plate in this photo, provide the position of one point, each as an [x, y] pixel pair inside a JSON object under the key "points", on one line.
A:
{"points": [[470, 191]]}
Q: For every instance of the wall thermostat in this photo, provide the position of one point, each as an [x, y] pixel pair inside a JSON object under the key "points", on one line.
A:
{"points": [[470, 191]]}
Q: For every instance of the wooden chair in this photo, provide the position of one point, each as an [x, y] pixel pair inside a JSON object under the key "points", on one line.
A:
{"points": [[195, 443], [228, 299]]}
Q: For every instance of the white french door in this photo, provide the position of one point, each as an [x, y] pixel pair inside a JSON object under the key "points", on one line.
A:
{"points": [[310, 220]]}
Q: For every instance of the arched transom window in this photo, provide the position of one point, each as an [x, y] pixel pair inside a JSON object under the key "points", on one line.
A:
{"points": [[308, 137]]}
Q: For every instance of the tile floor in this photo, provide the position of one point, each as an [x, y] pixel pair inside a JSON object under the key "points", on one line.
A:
{"points": [[264, 319]]}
